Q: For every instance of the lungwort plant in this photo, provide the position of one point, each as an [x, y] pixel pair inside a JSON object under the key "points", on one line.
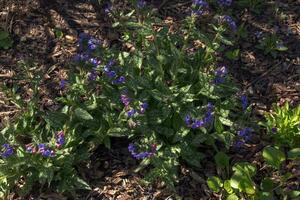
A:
{"points": [[168, 96]]}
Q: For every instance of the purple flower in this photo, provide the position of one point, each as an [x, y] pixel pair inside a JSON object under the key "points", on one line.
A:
{"points": [[111, 74], [95, 61], [107, 8], [30, 148], [188, 120], [200, 3], [224, 2], [244, 101], [41, 148], [210, 107], [141, 155], [208, 118], [144, 106], [220, 74], [120, 80], [227, 19], [245, 133], [60, 139], [274, 130], [92, 75], [62, 84], [109, 65], [131, 113], [48, 153], [141, 4], [93, 43], [45, 151], [125, 99], [221, 71], [131, 148], [199, 7], [197, 124], [7, 150]]}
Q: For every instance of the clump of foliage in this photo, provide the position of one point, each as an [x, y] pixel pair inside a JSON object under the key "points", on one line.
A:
{"points": [[271, 44], [283, 125]]}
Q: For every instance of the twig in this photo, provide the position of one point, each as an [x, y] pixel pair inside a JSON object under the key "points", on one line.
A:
{"points": [[7, 113], [7, 75], [262, 75]]}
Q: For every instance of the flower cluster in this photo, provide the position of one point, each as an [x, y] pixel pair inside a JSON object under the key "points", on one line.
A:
{"points": [[126, 100], [86, 39], [245, 135], [199, 7], [196, 123], [46, 152], [220, 75], [43, 149], [87, 45], [141, 155], [7, 150], [141, 110], [229, 21], [112, 74], [224, 2]]}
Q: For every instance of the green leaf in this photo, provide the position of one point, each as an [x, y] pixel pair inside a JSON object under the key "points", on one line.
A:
{"points": [[245, 168], [281, 47], [232, 55], [242, 182], [83, 114], [226, 121], [227, 187], [214, 183], [3, 35], [274, 157], [81, 184], [226, 41], [267, 185], [56, 120], [221, 159], [232, 197], [266, 196], [294, 153], [117, 132], [241, 179], [294, 193]]}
